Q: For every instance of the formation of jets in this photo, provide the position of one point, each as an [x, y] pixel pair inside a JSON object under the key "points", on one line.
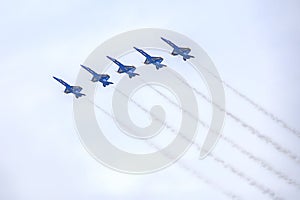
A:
{"points": [[129, 70]]}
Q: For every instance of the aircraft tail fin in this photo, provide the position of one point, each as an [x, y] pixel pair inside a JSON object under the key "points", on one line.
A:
{"points": [[133, 75], [77, 95], [188, 57], [106, 83], [158, 66]]}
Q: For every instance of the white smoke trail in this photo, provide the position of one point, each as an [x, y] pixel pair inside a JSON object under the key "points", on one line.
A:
{"points": [[256, 159], [182, 165], [258, 107], [249, 180], [262, 163], [252, 157], [250, 128]]}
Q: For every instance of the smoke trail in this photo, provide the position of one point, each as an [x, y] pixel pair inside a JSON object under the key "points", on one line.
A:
{"points": [[262, 163], [197, 174], [250, 181], [257, 106], [182, 165], [259, 161], [250, 128], [254, 131]]}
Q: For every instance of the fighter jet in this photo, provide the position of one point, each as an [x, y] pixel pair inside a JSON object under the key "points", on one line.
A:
{"points": [[98, 77], [151, 60], [184, 52], [71, 89], [123, 68]]}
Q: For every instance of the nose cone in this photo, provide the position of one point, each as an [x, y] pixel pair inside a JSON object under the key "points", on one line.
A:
{"points": [[56, 78], [163, 39], [136, 48], [110, 58]]}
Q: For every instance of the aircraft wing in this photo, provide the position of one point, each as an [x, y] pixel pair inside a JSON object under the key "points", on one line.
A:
{"points": [[129, 68], [160, 59], [76, 88], [185, 50], [105, 76]]}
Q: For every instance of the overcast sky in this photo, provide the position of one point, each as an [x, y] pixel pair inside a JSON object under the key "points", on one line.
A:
{"points": [[255, 46]]}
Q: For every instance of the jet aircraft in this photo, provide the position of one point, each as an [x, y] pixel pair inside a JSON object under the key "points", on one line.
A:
{"points": [[123, 68], [103, 78], [184, 52], [151, 59], [71, 89]]}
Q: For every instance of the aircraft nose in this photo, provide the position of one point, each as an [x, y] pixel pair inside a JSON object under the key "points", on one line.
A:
{"points": [[55, 78], [110, 58]]}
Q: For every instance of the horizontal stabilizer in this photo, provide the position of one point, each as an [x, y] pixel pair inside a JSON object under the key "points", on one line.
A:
{"points": [[77, 95], [157, 59], [185, 50], [158, 66], [105, 83], [133, 75]]}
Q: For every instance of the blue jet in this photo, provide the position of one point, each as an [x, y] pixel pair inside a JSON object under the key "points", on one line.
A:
{"points": [[123, 68], [71, 89], [98, 77], [151, 60], [184, 52]]}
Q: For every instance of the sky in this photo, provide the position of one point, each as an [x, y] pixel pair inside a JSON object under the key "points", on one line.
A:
{"points": [[253, 44]]}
